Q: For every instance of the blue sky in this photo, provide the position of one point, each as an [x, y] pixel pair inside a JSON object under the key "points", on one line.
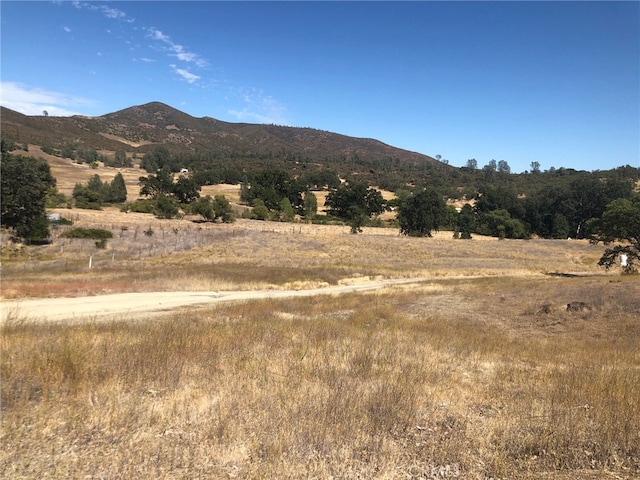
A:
{"points": [[552, 82]]}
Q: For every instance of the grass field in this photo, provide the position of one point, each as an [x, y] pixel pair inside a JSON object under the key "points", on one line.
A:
{"points": [[477, 372]]}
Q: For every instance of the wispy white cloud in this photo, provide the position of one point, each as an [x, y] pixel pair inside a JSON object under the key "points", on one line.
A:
{"points": [[185, 74], [260, 108], [67, 29], [33, 100], [108, 12], [175, 49], [112, 12]]}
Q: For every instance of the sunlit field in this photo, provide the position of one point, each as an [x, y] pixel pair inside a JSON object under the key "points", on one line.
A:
{"points": [[147, 254], [478, 371]]}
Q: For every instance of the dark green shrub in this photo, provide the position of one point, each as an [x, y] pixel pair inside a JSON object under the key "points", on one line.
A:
{"points": [[142, 206], [94, 233]]}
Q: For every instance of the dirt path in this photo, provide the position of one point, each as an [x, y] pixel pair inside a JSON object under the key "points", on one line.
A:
{"points": [[143, 304]]}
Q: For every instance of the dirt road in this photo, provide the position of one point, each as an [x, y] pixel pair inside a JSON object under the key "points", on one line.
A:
{"points": [[144, 304]]}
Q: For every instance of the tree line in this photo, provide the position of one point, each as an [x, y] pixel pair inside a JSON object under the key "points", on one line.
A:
{"points": [[560, 203]]}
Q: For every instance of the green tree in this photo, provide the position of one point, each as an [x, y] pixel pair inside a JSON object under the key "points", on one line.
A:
{"points": [[223, 209], [155, 160], [357, 220], [121, 159], [166, 206], [321, 179], [488, 171], [87, 155], [500, 198], [591, 193], [421, 213], [68, 151], [95, 184], [620, 222], [96, 192], [503, 167], [85, 197], [271, 186], [214, 209], [24, 184], [498, 223], [548, 209], [260, 210], [351, 200], [156, 185], [561, 227], [92, 195], [185, 190], [287, 213], [310, 204], [450, 218], [203, 206], [466, 221], [472, 164], [117, 189]]}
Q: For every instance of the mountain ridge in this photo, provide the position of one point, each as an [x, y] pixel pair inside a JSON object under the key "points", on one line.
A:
{"points": [[141, 127]]}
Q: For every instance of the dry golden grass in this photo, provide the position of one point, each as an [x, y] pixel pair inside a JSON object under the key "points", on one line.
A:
{"points": [[232, 192], [478, 372], [461, 377], [183, 255], [67, 173]]}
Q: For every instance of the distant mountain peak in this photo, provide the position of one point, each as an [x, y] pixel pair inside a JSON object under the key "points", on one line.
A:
{"points": [[141, 127]]}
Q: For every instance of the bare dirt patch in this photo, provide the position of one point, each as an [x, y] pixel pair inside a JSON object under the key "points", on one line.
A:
{"points": [[124, 140]]}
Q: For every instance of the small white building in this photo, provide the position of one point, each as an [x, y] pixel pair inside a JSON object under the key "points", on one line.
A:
{"points": [[624, 260]]}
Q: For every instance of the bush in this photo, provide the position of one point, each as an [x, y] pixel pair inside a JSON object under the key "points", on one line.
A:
{"points": [[62, 221], [94, 233], [142, 206], [166, 207], [56, 199], [260, 211]]}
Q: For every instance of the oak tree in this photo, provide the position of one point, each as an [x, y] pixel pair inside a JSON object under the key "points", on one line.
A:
{"points": [[24, 184], [619, 224]]}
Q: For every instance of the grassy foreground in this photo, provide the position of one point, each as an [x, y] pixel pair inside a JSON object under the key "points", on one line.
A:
{"points": [[475, 379], [478, 372]]}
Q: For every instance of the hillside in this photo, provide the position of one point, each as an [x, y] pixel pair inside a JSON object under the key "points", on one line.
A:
{"points": [[140, 128]]}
